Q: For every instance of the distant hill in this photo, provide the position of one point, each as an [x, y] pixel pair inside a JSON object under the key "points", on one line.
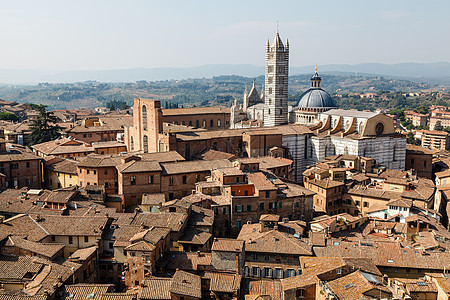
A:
{"points": [[435, 73]]}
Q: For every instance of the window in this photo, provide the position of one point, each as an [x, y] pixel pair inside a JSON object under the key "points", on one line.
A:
{"points": [[53, 238], [256, 271], [245, 193], [249, 208], [267, 194], [184, 179], [300, 293], [358, 203], [211, 123], [272, 205], [219, 123], [144, 117], [133, 180], [366, 204], [204, 123], [255, 256], [87, 172], [170, 181], [70, 239], [297, 204], [106, 172], [280, 204], [238, 208], [239, 224], [86, 239], [95, 172], [339, 271], [150, 179], [28, 164], [261, 206]]}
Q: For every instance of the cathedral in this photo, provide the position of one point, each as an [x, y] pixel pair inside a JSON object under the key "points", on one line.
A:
{"points": [[333, 130]]}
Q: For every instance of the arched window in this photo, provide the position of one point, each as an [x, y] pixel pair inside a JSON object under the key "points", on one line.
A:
{"points": [[347, 125], [197, 123], [361, 125], [144, 117], [211, 123], [131, 144], [145, 143], [204, 123], [346, 150], [219, 123], [190, 123]]}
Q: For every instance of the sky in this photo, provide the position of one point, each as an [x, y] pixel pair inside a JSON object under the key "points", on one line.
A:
{"points": [[103, 35]]}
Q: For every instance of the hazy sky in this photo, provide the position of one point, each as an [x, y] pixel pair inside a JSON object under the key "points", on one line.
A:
{"points": [[85, 35]]}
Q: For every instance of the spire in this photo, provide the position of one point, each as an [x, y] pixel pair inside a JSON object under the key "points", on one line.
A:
{"points": [[315, 79], [277, 42], [253, 86]]}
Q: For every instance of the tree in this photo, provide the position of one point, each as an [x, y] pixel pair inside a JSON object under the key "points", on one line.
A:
{"points": [[8, 116], [438, 126], [43, 128]]}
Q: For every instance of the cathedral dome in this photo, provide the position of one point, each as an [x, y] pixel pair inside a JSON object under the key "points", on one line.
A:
{"points": [[316, 98]]}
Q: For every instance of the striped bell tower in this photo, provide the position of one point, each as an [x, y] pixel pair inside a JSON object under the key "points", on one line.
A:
{"points": [[276, 86]]}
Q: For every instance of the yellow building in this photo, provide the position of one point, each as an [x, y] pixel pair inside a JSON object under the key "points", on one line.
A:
{"points": [[60, 173]]}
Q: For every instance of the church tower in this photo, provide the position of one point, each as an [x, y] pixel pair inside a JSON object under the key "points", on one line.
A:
{"points": [[276, 86]]}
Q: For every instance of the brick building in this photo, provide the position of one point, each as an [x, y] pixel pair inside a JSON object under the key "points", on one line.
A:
{"points": [[19, 168], [100, 129], [198, 117]]}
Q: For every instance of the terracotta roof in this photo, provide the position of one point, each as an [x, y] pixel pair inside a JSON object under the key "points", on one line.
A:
{"points": [[188, 261], [16, 155], [195, 111], [48, 250], [108, 144], [201, 216], [214, 154], [326, 183], [413, 149], [400, 202], [260, 181], [223, 282], [156, 288], [139, 166], [276, 242], [153, 199], [63, 146], [269, 218], [173, 221], [300, 281], [389, 254], [262, 287], [195, 236], [186, 284], [107, 123], [62, 165], [227, 245], [83, 254], [351, 286], [194, 166], [141, 246], [269, 162]]}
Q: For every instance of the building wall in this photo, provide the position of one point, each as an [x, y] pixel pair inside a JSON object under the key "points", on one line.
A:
{"points": [[217, 120], [24, 173], [106, 176], [78, 242], [55, 180], [97, 136], [421, 163], [111, 150], [133, 193]]}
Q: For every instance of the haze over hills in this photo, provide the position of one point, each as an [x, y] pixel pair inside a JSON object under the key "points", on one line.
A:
{"points": [[437, 73]]}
